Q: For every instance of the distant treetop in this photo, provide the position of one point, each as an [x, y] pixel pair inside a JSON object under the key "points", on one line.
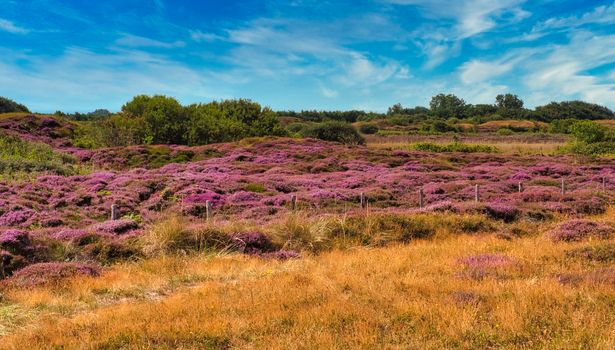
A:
{"points": [[10, 106]]}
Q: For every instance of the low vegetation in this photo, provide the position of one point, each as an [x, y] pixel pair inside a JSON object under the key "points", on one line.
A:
{"points": [[297, 235]]}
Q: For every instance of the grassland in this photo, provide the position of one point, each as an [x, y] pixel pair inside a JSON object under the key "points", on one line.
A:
{"points": [[415, 295], [522, 144]]}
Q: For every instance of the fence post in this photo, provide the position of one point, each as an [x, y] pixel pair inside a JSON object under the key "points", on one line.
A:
{"points": [[209, 210], [293, 202], [363, 202], [563, 186], [476, 193], [421, 198], [520, 186], [604, 183], [114, 212]]}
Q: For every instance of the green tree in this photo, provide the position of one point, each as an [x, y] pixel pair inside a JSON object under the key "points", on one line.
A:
{"points": [[336, 132], [508, 102], [446, 106], [10, 106]]}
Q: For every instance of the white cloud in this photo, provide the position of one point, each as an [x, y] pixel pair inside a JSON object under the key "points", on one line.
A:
{"points": [[81, 79], [129, 40], [604, 14], [472, 17], [200, 36], [8, 26]]}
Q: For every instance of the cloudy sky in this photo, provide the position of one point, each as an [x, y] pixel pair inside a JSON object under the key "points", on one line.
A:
{"points": [[75, 55]]}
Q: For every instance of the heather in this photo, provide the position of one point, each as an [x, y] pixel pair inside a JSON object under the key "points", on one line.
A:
{"points": [[577, 230], [292, 242]]}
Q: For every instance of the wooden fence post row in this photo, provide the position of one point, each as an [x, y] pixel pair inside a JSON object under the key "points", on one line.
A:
{"points": [[364, 201]]}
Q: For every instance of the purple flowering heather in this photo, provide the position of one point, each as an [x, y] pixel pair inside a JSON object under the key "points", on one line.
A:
{"points": [[578, 230], [52, 272], [116, 226], [251, 242]]}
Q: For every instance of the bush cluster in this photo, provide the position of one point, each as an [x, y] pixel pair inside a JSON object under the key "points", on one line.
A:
{"points": [[163, 120]]}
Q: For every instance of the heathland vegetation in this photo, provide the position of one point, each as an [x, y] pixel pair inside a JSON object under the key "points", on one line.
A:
{"points": [[229, 225]]}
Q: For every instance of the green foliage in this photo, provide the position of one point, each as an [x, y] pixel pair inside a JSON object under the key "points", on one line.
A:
{"points": [[505, 132], [508, 101], [562, 126], [20, 158], [164, 117], [453, 147], [335, 131], [162, 120], [592, 138], [341, 116], [446, 106], [295, 128], [573, 109], [589, 132], [10, 106], [255, 187], [438, 127], [368, 129]]}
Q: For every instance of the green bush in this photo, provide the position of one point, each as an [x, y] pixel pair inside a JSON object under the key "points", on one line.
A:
{"points": [[20, 158], [368, 129], [10, 106], [505, 132], [453, 147], [296, 127], [336, 132]]}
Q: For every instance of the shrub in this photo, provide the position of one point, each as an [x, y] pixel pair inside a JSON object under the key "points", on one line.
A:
{"points": [[500, 211], [50, 273], [505, 132], [255, 187], [19, 157], [253, 243], [10, 106], [116, 226], [604, 253], [368, 129], [578, 230], [336, 132]]}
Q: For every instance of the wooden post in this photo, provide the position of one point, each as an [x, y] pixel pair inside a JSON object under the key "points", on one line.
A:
{"points": [[209, 210], [421, 198], [563, 186], [363, 202], [520, 186], [604, 183], [293, 202], [476, 193], [114, 212]]}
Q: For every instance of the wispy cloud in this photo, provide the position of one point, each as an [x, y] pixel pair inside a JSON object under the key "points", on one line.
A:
{"points": [[87, 79], [130, 40], [8, 26]]}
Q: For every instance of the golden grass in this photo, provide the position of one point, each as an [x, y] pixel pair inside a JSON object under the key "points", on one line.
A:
{"points": [[395, 297], [518, 148]]}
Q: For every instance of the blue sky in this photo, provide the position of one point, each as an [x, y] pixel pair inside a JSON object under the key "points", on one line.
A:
{"points": [[78, 55]]}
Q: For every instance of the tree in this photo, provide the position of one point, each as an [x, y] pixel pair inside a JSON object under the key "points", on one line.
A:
{"points": [[446, 106], [574, 110], [508, 102], [336, 132], [10, 106], [396, 109], [165, 119]]}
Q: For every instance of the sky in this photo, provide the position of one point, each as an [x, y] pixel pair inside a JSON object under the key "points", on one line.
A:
{"points": [[75, 55]]}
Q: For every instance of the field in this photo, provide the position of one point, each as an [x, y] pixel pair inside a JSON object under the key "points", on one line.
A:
{"points": [[511, 249]]}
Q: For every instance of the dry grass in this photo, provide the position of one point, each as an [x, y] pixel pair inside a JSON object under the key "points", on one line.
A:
{"points": [[505, 145], [403, 296]]}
